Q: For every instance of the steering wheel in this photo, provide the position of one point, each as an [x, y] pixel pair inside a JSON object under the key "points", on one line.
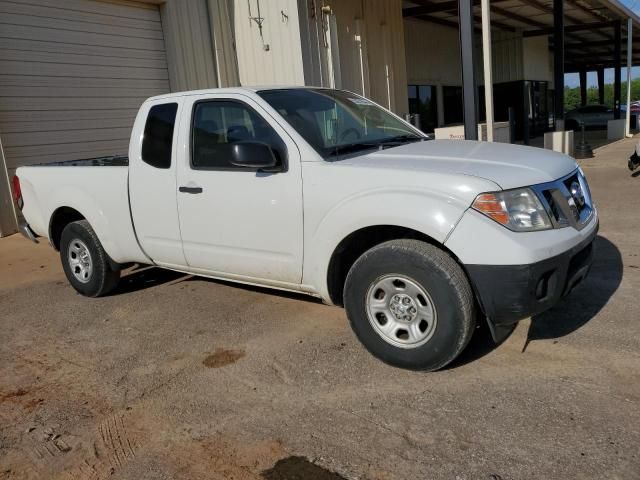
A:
{"points": [[350, 131]]}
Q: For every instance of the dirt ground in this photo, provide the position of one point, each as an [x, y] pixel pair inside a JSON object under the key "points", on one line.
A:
{"points": [[175, 377]]}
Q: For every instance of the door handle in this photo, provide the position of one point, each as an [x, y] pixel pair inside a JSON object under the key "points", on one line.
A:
{"points": [[190, 189]]}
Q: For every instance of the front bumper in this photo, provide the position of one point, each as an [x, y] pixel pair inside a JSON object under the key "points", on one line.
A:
{"points": [[509, 293], [26, 232]]}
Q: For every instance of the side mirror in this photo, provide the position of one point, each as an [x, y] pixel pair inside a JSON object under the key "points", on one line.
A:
{"points": [[253, 155]]}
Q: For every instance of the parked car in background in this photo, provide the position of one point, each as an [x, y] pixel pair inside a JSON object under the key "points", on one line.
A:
{"points": [[591, 116], [635, 108], [323, 192]]}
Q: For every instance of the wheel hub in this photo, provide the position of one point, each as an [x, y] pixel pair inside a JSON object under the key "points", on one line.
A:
{"points": [[401, 311], [80, 260], [403, 307]]}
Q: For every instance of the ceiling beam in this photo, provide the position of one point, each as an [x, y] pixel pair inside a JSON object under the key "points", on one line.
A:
{"points": [[594, 57], [438, 20], [427, 7], [517, 17], [592, 67], [500, 25], [548, 9], [596, 43], [528, 21], [452, 24], [593, 13], [595, 26]]}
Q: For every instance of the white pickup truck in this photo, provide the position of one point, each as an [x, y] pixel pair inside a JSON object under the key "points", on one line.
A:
{"points": [[323, 192]]}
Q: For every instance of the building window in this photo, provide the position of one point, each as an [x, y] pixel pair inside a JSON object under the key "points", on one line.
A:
{"points": [[422, 100], [453, 109], [158, 135]]}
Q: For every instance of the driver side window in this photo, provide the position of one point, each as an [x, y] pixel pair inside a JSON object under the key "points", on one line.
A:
{"points": [[219, 124]]}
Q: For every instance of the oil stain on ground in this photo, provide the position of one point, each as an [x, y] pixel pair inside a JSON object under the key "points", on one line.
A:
{"points": [[21, 392], [298, 468], [223, 357]]}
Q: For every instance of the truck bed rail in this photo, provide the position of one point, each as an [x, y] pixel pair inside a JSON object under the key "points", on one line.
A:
{"points": [[109, 161]]}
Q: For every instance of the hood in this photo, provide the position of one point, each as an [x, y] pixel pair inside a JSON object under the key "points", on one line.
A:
{"points": [[509, 166]]}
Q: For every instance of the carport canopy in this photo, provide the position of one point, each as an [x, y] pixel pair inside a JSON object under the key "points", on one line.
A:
{"points": [[589, 25], [585, 35]]}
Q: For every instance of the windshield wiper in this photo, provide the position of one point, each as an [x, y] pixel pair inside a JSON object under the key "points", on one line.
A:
{"points": [[379, 144], [401, 139], [353, 147]]}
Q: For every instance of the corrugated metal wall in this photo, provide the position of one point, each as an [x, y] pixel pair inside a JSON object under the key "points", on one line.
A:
{"points": [[317, 71], [7, 209], [189, 43], [72, 76], [538, 65], [432, 66], [275, 56], [372, 50], [221, 14], [506, 55], [386, 48], [439, 66]]}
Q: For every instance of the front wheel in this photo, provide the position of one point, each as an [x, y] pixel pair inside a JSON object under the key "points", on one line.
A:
{"points": [[410, 304], [85, 262]]}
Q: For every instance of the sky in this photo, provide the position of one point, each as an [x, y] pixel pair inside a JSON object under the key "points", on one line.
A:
{"points": [[573, 80]]}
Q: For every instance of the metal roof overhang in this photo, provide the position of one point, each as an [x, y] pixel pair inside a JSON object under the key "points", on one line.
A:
{"points": [[589, 25]]}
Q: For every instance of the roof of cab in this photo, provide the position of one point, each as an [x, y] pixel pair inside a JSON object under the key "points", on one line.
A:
{"points": [[237, 90]]}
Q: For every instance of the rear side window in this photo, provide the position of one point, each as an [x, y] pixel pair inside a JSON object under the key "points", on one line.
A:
{"points": [[158, 135]]}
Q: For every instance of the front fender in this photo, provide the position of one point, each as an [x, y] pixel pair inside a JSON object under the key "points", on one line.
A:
{"points": [[427, 212]]}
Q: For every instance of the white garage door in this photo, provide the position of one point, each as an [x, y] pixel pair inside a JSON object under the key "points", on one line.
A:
{"points": [[73, 74]]}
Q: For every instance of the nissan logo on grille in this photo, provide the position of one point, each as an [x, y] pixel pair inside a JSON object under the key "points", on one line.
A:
{"points": [[577, 193]]}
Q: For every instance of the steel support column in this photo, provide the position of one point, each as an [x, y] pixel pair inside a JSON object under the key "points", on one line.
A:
{"points": [[583, 87], [600, 85], [558, 59], [627, 129], [617, 60], [8, 224], [469, 85], [488, 67]]}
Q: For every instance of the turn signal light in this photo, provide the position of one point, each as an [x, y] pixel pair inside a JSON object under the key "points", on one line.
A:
{"points": [[492, 207]]}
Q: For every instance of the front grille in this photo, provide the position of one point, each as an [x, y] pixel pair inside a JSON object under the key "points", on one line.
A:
{"points": [[554, 211], [567, 200]]}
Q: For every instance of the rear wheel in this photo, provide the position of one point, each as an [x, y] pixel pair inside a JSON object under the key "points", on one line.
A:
{"points": [[410, 304], [85, 262]]}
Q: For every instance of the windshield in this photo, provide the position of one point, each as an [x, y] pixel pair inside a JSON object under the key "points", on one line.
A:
{"points": [[335, 122]]}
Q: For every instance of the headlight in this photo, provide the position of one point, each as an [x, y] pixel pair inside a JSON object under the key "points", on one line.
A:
{"points": [[518, 210]]}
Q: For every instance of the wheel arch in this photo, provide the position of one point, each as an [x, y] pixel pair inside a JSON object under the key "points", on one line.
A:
{"points": [[60, 218], [352, 246]]}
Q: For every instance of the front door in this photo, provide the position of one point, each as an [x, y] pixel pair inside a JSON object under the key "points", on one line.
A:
{"points": [[238, 222]]}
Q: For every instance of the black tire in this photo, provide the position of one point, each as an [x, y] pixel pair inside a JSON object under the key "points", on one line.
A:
{"points": [[448, 289], [102, 278]]}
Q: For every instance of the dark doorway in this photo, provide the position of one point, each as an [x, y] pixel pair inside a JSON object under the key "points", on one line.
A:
{"points": [[423, 101]]}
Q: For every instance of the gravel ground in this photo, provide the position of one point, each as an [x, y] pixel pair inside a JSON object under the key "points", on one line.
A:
{"points": [[175, 377]]}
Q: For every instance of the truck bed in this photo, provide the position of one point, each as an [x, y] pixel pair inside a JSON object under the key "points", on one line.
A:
{"points": [[101, 195]]}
